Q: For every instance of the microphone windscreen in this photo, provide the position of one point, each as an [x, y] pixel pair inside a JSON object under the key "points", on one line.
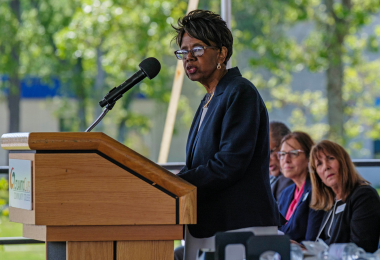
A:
{"points": [[150, 66]]}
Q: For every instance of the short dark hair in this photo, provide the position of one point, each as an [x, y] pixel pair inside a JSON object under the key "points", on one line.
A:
{"points": [[277, 131], [207, 27]]}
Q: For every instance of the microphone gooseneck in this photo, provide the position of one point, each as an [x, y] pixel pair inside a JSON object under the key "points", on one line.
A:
{"points": [[149, 67]]}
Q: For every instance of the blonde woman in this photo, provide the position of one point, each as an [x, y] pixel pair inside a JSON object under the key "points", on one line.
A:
{"points": [[351, 205]]}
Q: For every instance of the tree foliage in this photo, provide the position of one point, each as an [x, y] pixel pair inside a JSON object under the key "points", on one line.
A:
{"points": [[92, 46], [3, 197], [332, 47]]}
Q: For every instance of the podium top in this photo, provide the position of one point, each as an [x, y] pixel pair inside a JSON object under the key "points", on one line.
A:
{"points": [[101, 143]]}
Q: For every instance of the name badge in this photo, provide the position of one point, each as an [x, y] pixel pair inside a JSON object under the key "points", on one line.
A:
{"points": [[340, 208], [305, 197]]}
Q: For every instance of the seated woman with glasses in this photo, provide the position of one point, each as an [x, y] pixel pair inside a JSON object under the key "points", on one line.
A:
{"points": [[303, 222], [351, 205], [227, 152]]}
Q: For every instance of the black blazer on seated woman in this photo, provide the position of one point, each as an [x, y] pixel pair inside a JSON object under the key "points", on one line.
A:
{"points": [[227, 159], [355, 220], [305, 222]]}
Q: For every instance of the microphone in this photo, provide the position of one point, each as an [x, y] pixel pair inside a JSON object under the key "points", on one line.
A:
{"points": [[149, 67]]}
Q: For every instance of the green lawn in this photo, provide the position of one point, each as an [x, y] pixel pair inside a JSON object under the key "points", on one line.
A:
{"points": [[18, 252], [9, 229], [22, 252]]}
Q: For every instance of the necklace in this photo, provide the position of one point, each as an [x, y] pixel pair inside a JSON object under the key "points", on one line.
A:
{"points": [[206, 105]]}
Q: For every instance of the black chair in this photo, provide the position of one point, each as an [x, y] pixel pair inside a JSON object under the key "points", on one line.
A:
{"points": [[205, 255], [260, 244], [222, 240]]}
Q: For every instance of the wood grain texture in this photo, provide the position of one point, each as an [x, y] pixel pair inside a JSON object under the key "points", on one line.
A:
{"points": [[22, 215], [89, 251], [120, 153], [103, 233], [22, 156], [188, 209], [86, 189], [110, 147], [35, 232], [145, 250]]}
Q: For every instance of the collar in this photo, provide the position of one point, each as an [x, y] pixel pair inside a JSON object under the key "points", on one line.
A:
{"points": [[307, 186], [225, 81]]}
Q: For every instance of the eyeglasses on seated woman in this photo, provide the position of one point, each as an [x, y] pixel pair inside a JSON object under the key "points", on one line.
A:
{"points": [[351, 205], [303, 222]]}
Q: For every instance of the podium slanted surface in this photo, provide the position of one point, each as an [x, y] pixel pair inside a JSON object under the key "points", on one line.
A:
{"points": [[100, 198]]}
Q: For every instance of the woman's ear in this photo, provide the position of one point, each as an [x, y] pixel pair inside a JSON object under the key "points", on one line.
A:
{"points": [[222, 55]]}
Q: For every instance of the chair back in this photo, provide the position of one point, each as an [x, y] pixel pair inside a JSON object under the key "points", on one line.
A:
{"points": [[260, 244], [222, 240]]}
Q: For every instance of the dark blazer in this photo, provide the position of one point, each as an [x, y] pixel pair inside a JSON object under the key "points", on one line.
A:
{"points": [[279, 184], [305, 222], [357, 222], [228, 160]]}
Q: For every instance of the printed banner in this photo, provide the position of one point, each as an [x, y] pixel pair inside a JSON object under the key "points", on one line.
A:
{"points": [[20, 184]]}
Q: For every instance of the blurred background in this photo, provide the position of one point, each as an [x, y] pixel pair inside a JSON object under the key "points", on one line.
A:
{"points": [[316, 64]]}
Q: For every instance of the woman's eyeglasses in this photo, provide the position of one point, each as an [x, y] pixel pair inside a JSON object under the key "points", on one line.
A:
{"points": [[196, 52], [293, 154]]}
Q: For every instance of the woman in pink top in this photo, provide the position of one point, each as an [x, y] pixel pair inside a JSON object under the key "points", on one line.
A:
{"points": [[303, 222]]}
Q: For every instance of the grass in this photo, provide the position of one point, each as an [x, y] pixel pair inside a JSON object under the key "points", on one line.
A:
{"points": [[9, 229], [22, 252], [18, 252]]}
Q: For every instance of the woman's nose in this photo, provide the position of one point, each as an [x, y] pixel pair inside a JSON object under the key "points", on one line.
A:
{"points": [[325, 166], [287, 157], [190, 56]]}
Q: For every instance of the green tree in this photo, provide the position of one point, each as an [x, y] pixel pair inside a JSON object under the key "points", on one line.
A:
{"points": [[333, 47], [27, 46], [91, 46], [3, 196], [10, 48], [111, 38]]}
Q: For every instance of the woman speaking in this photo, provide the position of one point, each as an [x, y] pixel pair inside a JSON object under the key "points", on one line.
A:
{"points": [[227, 151]]}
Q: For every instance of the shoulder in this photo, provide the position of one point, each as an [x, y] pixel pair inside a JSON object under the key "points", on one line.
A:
{"points": [[234, 82], [364, 194], [242, 92], [287, 191], [240, 84], [239, 92], [283, 181], [290, 188], [367, 190]]}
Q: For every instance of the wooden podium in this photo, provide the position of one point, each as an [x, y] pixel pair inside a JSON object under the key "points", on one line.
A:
{"points": [[94, 198]]}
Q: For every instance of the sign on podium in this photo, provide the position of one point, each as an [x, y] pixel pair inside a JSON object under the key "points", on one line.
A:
{"points": [[90, 197]]}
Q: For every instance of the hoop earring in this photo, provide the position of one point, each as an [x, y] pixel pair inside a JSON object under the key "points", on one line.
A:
{"points": [[218, 67]]}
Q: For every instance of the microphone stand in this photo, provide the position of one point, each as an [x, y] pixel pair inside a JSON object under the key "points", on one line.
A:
{"points": [[102, 115]]}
